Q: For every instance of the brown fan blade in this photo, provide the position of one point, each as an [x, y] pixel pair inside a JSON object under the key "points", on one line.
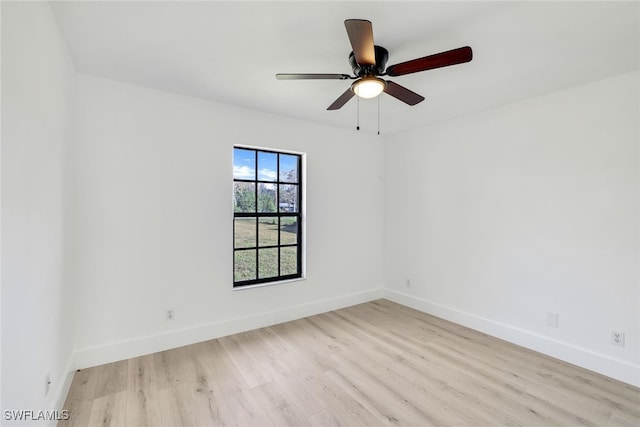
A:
{"points": [[443, 59], [312, 76], [338, 103], [402, 93], [360, 34]]}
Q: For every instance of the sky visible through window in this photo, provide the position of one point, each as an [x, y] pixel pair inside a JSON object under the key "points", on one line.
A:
{"points": [[244, 165]]}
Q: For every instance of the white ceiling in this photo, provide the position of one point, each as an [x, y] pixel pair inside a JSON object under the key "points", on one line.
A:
{"points": [[230, 51]]}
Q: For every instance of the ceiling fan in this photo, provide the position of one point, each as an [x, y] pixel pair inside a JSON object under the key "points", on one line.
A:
{"points": [[368, 63]]}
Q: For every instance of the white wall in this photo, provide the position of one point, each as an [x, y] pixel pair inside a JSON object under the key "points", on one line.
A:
{"points": [[501, 217], [154, 220], [37, 129]]}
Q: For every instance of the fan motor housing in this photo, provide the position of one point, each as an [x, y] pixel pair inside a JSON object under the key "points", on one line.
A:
{"points": [[382, 56]]}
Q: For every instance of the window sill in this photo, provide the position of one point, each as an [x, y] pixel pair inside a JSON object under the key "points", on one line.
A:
{"points": [[262, 285]]}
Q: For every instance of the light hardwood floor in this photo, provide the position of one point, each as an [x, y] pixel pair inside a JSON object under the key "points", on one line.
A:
{"points": [[373, 364]]}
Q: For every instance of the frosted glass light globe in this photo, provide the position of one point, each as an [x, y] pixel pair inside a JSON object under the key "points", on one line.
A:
{"points": [[368, 87]]}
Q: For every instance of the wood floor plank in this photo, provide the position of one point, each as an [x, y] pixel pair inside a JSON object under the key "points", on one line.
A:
{"points": [[172, 368], [374, 393], [143, 403], [578, 405], [280, 411], [349, 410], [80, 398], [250, 367], [299, 336], [325, 418], [219, 366], [112, 378], [246, 410], [619, 419], [176, 406], [296, 392], [208, 404], [275, 342], [373, 364], [109, 410], [426, 386]]}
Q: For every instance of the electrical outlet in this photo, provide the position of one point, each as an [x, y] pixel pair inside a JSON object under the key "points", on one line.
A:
{"points": [[170, 314], [47, 384], [617, 338], [408, 282]]}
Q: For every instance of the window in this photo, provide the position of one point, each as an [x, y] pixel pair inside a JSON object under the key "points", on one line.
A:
{"points": [[267, 217]]}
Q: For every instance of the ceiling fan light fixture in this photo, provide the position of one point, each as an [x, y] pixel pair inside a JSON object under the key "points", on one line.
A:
{"points": [[368, 87]]}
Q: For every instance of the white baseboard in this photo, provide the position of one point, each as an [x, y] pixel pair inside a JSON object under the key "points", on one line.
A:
{"points": [[94, 356], [614, 368]]}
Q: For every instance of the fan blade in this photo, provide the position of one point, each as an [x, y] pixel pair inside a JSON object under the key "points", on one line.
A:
{"points": [[360, 34], [338, 103], [402, 93], [312, 76], [442, 59]]}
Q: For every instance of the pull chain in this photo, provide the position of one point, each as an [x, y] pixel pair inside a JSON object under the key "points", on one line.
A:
{"points": [[378, 115], [358, 118], [358, 114]]}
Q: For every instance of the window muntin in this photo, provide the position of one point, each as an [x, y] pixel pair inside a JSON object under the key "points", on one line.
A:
{"points": [[267, 225]]}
